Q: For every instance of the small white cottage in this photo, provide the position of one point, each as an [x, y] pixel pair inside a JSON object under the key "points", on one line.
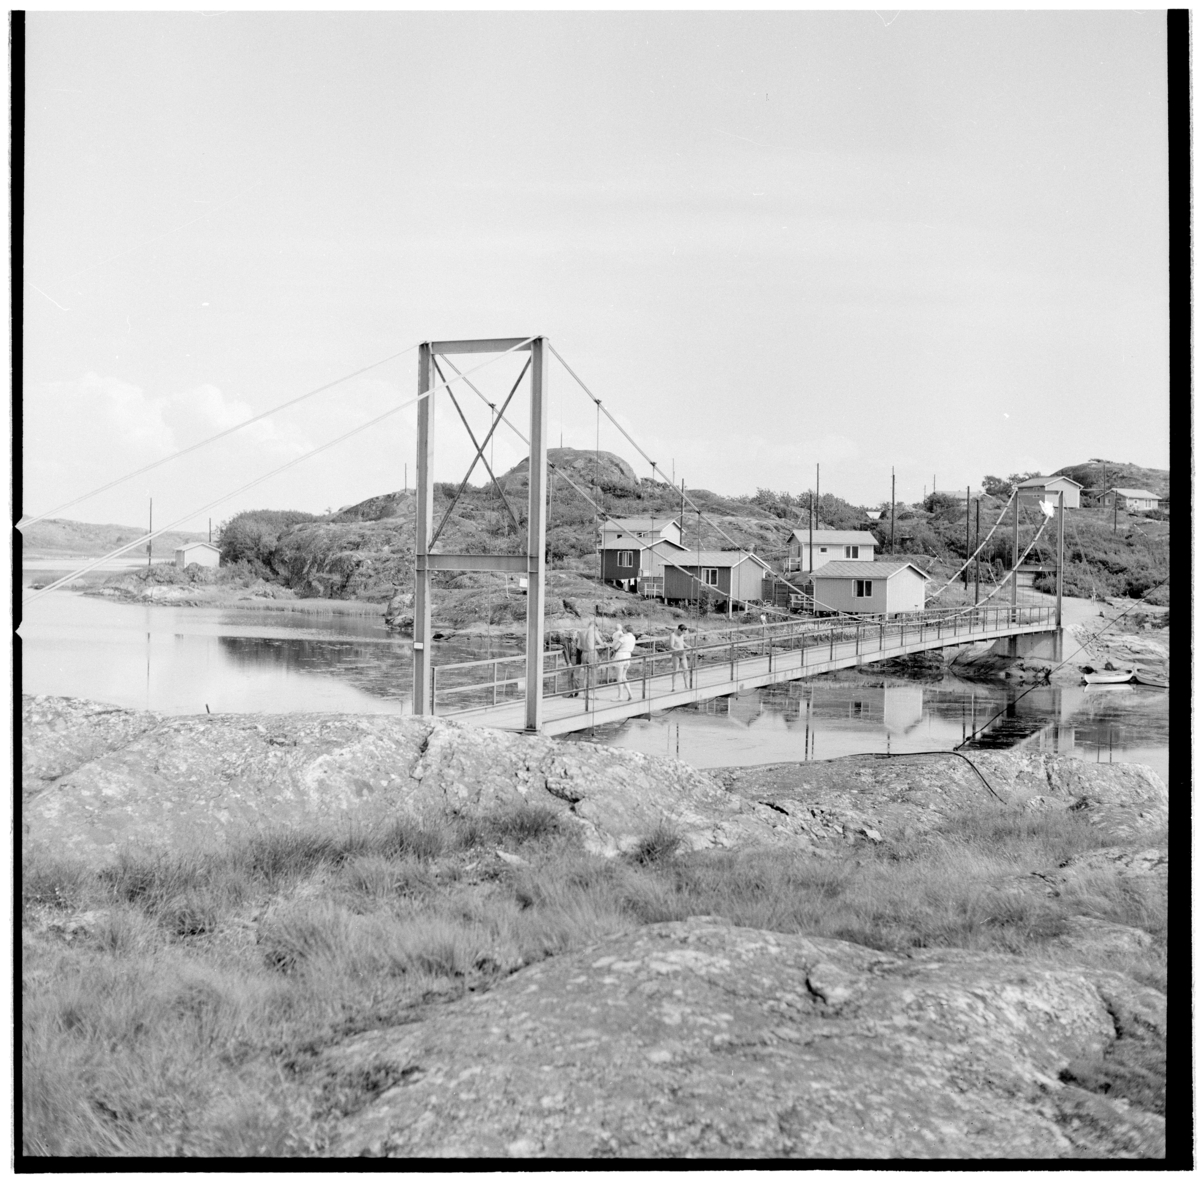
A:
{"points": [[828, 545], [874, 587], [202, 553]]}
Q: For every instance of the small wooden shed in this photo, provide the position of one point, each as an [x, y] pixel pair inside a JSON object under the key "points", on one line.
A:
{"points": [[869, 587], [1047, 487], [201, 552], [736, 574], [640, 558]]}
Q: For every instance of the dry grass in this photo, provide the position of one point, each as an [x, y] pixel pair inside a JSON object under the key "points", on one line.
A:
{"points": [[176, 1006]]}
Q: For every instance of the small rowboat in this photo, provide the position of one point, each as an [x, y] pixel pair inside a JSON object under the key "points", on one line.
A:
{"points": [[1102, 678], [1149, 678]]}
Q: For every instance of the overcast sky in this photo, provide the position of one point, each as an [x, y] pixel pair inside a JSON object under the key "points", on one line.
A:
{"points": [[765, 240]]}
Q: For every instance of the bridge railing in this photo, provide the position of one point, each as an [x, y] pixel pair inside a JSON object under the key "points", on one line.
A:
{"points": [[485, 683], [653, 671]]}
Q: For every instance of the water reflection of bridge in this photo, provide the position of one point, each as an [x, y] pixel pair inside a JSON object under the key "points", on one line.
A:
{"points": [[492, 692]]}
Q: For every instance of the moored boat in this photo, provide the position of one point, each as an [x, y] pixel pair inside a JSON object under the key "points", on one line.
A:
{"points": [[1148, 678], [1101, 678]]}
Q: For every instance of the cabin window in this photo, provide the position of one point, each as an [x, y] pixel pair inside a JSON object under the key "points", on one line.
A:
{"points": [[851, 551], [708, 576], [824, 549], [625, 559], [862, 588]]}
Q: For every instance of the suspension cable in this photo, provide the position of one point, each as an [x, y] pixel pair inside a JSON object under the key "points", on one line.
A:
{"points": [[25, 523], [979, 549], [1008, 704], [262, 478]]}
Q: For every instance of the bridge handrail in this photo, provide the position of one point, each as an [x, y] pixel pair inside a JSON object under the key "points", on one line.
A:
{"points": [[720, 645]]}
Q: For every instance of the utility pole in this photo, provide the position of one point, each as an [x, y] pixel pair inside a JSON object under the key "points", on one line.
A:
{"points": [[969, 530], [810, 531], [150, 529], [1016, 553], [1114, 511], [210, 531], [976, 558], [818, 497], [892, 542], [1058, 580]]}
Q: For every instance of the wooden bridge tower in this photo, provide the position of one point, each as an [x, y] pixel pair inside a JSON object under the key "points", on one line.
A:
{"points": [[530, 565]]}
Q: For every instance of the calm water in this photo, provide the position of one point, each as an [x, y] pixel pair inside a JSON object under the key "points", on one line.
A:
{"points": [[177, 660]]}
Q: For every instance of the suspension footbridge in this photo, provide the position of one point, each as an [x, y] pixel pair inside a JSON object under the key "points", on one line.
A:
{"points": [[541, 692]]}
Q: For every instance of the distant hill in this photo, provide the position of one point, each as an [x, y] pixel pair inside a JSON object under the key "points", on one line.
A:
{"points": [[73, 538], [1097, 474]]}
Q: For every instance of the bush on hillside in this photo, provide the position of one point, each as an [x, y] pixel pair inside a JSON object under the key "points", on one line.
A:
{"points": [[252, 537]]}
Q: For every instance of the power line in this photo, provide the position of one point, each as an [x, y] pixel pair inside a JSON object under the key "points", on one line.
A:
{"points": [[25, 523], [262, 478]]}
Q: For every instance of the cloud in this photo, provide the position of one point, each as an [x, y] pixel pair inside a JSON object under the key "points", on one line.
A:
{"points": [[79, 435], [200, 412]]}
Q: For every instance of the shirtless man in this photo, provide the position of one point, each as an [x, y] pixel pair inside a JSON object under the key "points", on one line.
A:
{"points": [[590, 641], [677, 645]]}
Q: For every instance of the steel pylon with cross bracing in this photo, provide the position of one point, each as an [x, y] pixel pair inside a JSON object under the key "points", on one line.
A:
{"points": [[531, 564]]}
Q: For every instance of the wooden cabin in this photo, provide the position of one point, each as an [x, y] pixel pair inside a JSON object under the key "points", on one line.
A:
{"points": [[201, 553], [631, 549], [725, 574], [828, 545], [628, 566], [1130, 499], [880, 587], [1046, 488]]}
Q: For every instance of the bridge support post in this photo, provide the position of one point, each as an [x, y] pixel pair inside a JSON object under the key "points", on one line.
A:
{"points": [[535, 614], [423, 529]]}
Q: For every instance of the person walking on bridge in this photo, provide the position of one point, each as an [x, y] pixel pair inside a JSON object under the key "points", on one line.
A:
{"points": [[677, 645], [590, 640], [623, 642]]}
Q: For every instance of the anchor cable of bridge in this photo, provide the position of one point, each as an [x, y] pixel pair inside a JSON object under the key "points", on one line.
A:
{"points": [[1062, 663], [25, 523], [143, 539], [600, 512], [946, 753], [967, 563], [683, 494]]}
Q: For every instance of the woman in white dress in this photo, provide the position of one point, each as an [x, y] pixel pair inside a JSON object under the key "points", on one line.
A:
{"points": [[622, 645]]}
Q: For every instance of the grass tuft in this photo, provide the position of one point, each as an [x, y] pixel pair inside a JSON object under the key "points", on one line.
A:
{"points": [[182, 1010], [662, 843]]}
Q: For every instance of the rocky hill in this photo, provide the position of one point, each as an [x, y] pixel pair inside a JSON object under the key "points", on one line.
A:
{"points": [[383, 936], [1097, 474], [70, 537]]}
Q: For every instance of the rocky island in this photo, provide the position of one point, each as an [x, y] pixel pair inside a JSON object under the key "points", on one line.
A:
{"points": [[373, 936]]}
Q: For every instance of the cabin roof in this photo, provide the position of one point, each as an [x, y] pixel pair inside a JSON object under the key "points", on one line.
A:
{"points": [[831, 537], [1043, 480], [197, 544], [866, 570], [1130, 493], [641, 523], [637, 545], [714, 559]]}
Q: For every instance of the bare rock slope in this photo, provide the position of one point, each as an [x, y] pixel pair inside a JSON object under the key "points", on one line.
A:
{"points": [[703, 1040], [100, 779], [185, 781]]}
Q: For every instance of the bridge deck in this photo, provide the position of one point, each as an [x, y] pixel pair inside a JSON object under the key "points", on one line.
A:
{"points": [[650, 678]]}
